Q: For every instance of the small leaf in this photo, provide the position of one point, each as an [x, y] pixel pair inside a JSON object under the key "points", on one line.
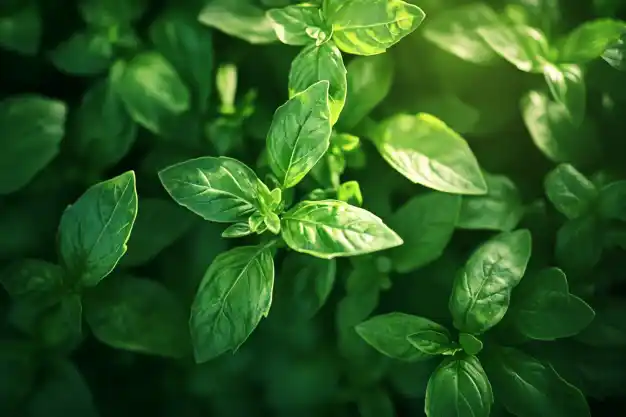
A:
{"points": [[300, 134], [426, 224], [350, 192], [389, 334], [291, 23], [220, 189], [470, 343], [21, 31], [567, 85], [482, 291], [615, 53], [83, 54], [234, 295], [93, 231], [459, 387], [316, 63], [570, 191], [240, 19], [426, 151], [370, 27], [329, 228], [237, 230], [589, 40], [433, 342], [138, 315], [612, 201]]}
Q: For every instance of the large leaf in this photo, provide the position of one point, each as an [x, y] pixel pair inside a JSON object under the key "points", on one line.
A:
{"points": [[294, 24], [523, 46], [239, 18], [589, 40]]}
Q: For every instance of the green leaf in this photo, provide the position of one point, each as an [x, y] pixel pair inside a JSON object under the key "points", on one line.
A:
{"points": [[291, 23], [316, 63], [103, 132], [589, 40], [570, 191], [567, 85], [300, 134], [220, 189], [226, 83], [459, 387], [239, 18], [83, 54], [147, 241], [615, 54], [612, 201], [389, 334], [369, 81], [608, 329], [370, 27], [458, 115], [579, 244], [553, 132], [237, 230], [138, 315], [375, 402], [93, 231], [329, 228], [32, 276], [108, 13], [544, 309], [470, 343], [188, 46], [455, 31], [426, 224], [62, 326], [482, 291], [151, 89], [32, 127], [350, 192], [433, 342], [21, 30], [523, 46], [501, 209], [233, 297], [527, 387], [427, 152]]}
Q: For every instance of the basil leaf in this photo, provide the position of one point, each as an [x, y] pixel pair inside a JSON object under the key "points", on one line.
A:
{"points": [[300, 134], [567, 85], [612, 201], [369, 81], [33, 127], [459, 387], [501, 209], [455, 31], [234, 295], [433, 342], [370, 27], [316, 63], [389, 334], [570, 191], [138, 315], [589, 40], [426, 224], [21, 31], [108, 13], [608, 329], [579, 244], [481, 292], [528, 387], [151, 89], [427, 152], [523, 46], [615, 53], [95, 229], [237, 230], [291, 23], [328, 229], [544, 309], [239, 18], [61, 327], [220, 189], [32, 276], [470, 343], [83, 54]]}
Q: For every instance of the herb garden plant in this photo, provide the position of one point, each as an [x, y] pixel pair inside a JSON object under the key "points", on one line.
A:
{"points": [[340, 207]]}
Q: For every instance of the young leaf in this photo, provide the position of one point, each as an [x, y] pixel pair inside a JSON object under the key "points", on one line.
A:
{"points": [[567, 85], [21, 30], [369, 81], [528, 387], [544, 309], [111, 13], [389, 334], [579, 244], [300, 134], [220, 189], [291, 23], [329, 228], [83, 54], [570, 191], [151, 89], [138, 315], [459, 387], [237, 230], [32, 127], [481, 292], [239, 18], [426, 151], [501, 209], [315, 63], [433, 342], [94, 230], [234, 295], [612, 201], [589, 40], [370, 27], [470, 343], [455, 31], [426, 224], [523, 46]]}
